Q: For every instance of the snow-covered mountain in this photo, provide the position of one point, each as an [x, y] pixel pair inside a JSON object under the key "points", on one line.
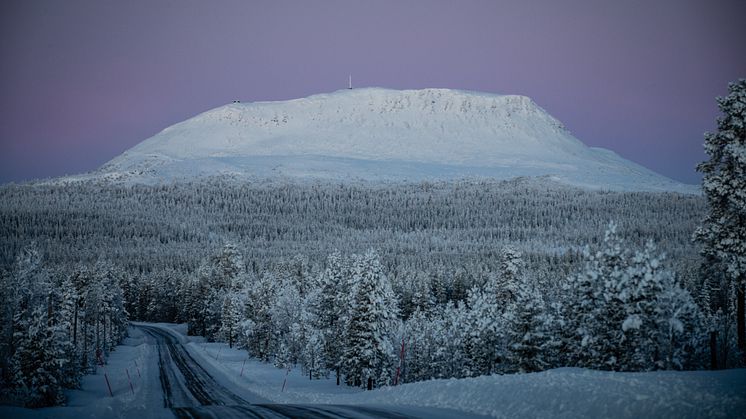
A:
{"points": [[381, 134]]}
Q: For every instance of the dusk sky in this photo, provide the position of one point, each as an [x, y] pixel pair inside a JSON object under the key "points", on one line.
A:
{"points": [[82, 81]]}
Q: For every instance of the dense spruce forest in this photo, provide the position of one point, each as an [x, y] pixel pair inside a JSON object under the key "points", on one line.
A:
{"points": [[430, 228], [449, 279]]}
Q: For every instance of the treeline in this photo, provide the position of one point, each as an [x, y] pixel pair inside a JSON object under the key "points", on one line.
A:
{"points": [[56, 325], [623, 310]]}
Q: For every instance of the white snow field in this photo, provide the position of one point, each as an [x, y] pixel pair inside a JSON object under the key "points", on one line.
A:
{"points": [[559, 393], [380, 134]]}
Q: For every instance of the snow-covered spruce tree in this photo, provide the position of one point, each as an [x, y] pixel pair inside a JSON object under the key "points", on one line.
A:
{"points": [[330, 311], [257, 330], [505, 285], [129, 287], [638, 291], [145, 296], [11, 295], [35, 362], [82, 278], [285, 314], [664, 327], [484, 343], [372, 322], [418, 295], [528, 334], [586, 339], [418, 334], [99, 319], [192, 310], [42, 361], [450, 336], [630, 313], [161, 303], [483, 340], [313, 337], [681, 336], [216, 277], [64, 328], [435, 342], [113, 321], [8, 295], [723, 233], [438, 286], [283, 357], [313, 355], [233, 312]]}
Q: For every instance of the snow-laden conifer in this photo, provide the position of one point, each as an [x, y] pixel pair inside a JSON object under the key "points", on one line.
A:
{"points": [[723, 233], [373, 316]]}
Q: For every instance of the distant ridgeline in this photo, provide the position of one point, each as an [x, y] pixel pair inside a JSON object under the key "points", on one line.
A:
{"points": [[380, 134], [452, 229]]}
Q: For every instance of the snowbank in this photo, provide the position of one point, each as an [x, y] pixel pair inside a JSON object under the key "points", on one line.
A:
{"points": [[563, 392]]}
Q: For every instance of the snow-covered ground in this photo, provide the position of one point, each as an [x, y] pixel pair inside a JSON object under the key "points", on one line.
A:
{"points": [[565, 392]]}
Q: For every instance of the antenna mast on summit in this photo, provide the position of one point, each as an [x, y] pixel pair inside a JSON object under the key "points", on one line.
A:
{"points": [[350, 86]]}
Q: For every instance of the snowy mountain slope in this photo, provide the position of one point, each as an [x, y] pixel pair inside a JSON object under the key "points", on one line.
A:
{"points": [[381, 134]]}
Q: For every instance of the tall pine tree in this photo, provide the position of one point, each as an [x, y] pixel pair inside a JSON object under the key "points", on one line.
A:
{"points": [[369, 350], [723, 233]]}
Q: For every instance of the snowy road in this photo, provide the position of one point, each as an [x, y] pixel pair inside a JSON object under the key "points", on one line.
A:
{"points": [[190, 391]]}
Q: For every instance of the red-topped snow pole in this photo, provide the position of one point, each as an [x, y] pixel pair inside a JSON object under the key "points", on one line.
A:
{"points": [[242, 366], [130, 380], [284, 382], [401, 361]]}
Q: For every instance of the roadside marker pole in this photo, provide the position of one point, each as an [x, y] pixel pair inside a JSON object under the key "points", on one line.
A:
{"points": [[130, 381], [101, 363], [401, 359], [106, 377], [244, 364], [285, 380]]}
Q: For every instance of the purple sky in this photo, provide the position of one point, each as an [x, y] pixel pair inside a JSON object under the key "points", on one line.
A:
{"points": [[82, 81]]}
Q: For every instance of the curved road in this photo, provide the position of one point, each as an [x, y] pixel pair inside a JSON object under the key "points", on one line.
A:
{"points": [[191, 392]]}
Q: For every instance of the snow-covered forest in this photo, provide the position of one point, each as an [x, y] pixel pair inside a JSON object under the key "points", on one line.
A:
{"points": [[372, 283], [56, 325], [456, 228]]}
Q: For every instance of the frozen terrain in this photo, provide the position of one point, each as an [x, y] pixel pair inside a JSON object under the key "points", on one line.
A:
{"points": [[216, 377], [381, 134]]}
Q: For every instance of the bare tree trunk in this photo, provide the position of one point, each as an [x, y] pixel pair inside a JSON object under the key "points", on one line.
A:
{"points": [[740, 323], [713, 350], [98, 332], [106, 339], [75, 327], [85, 345]]}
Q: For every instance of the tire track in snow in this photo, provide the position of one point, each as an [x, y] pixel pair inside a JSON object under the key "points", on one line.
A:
{"points": [[191, 392]]}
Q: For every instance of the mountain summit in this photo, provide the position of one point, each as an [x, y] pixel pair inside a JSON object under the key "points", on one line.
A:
{"points": [[381, 134]]}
